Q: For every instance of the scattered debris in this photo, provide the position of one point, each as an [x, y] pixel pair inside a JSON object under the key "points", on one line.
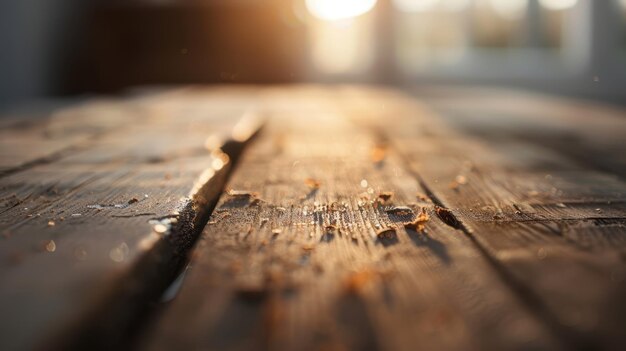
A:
{"points": [[51, 223], [399, 211], [133, 200], [419, 224], [422, 197], [241, 198], [447, 217], [386, 233], [331, 228], [335, 206], [242, 193], [312, 183], [384, 196], [159, 228], [50, 246], [378, 153], [561, 205], [457, 182], [329, 233], [363, 183], [163, 225], [256, 201], [102, 207], [357, 281], [276, 231], [461, 179], [76, 214], [143, 214]]}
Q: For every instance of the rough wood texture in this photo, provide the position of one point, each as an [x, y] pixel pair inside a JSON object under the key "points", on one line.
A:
{"points": [[356, 220], [312, 258], [588, 133], [95, 233], [553, 228]]}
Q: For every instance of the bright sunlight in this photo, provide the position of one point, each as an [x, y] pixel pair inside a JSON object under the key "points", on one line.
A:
{"points": [[332, 10]]}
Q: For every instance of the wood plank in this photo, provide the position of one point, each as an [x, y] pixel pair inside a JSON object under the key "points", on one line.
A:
{"points": [[554, 228], [588, 132], [25, 143], [292, 257], [92, 239]]}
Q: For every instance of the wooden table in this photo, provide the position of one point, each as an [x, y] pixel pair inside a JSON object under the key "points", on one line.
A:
{"points": [[315, 218]]}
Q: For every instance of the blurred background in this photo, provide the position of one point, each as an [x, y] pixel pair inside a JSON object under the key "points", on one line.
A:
{"points": [[61, 48]]}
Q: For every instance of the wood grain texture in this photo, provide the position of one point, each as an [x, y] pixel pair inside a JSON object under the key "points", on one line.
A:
{"points": [[301, 256], [95, 235], [587, 132], [553, 227], [513, 241]]}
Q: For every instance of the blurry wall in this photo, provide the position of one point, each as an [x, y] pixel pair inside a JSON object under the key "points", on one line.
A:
{"points": [[58, 47], [37, 39], [55, 47], [172, 42]]}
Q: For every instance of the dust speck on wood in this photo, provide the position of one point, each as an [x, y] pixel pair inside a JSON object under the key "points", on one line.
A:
{"points": [[385, 196], [399, 211], [378, 153], [356, 282], [447, 217], [312, 183], [386, 233], [242, 193], [419, 224]]}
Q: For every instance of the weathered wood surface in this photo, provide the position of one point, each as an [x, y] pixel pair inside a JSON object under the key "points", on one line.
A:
{"points": [[555, 229], [28, 142], [588, 133], [539, 237], [302, 265], [522, 245], [96, 231]]}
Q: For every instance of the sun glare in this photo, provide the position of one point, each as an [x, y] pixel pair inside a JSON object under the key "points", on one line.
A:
{"points": [[558, 4], [332, 10]]}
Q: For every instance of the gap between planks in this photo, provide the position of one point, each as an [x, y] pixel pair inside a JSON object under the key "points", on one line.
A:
{"points": [[115, 317]]}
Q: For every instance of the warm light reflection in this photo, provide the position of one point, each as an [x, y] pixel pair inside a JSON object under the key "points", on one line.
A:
{"points": [[429, 5], [332, 10], [509, 8], [558, 4], [342, 47], [415, 5], [455, 5]]}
